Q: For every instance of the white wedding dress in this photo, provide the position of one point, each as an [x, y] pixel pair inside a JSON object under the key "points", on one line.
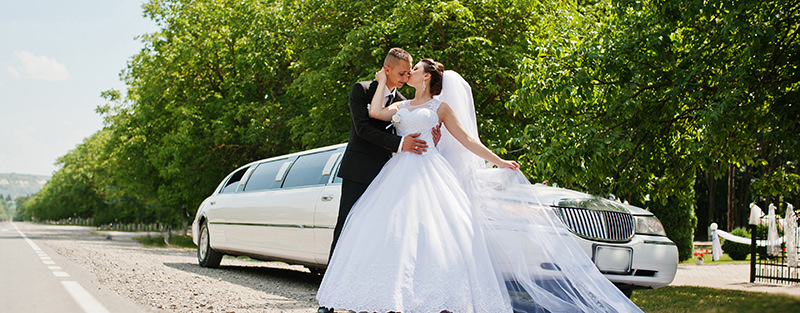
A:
{"points": [[436, 232], [409, 244]]}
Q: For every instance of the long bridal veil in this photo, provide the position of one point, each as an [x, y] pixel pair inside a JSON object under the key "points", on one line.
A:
{"points": [[534, 254], [457, 93]]}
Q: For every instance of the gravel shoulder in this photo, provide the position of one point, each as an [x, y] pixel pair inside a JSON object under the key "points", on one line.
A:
{"points": [[169, 279]]}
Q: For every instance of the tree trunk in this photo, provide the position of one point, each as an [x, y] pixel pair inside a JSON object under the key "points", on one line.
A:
{"points": [[730, 196]]}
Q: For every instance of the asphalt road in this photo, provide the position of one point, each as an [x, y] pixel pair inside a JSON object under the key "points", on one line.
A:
{"points": [[34, 278]]}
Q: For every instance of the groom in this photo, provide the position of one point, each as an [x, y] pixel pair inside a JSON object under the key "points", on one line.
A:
{"points": [[372, 141]]}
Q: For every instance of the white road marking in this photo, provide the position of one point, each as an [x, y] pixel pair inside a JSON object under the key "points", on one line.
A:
{"points": [[29, 241], [85, 299]]}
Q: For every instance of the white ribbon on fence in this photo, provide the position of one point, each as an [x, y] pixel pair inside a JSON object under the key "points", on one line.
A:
{"points": [[773, 248], [746, 241], [755, 214], [716, 248], [791, 236], [773, 242]]}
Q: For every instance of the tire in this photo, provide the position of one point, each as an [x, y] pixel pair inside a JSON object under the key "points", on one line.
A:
{"points": [[316, 271], [206, 256]]}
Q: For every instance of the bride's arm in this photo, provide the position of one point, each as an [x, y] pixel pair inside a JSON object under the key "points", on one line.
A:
{"points": [[474, 145], [376, 108]]}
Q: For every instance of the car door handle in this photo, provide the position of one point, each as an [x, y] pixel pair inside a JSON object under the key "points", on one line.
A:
{"points": [[327, 197]]}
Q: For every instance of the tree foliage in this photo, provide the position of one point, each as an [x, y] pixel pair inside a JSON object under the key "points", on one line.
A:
{"points": [[341, 42], [73, 190], [204, 97], [623, 97], [638, 96], [5, 209]]}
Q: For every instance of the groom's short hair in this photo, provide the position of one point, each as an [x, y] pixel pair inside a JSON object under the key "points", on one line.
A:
{"points": [[396, 54]]}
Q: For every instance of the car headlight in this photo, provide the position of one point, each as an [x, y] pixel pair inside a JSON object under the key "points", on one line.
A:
{"points": [[649, 225]]}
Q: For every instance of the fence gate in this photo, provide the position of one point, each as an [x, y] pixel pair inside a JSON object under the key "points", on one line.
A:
{"points": [[780, 268]]}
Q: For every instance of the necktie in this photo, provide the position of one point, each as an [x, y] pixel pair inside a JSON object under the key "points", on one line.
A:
{"points": [[389, 100]]}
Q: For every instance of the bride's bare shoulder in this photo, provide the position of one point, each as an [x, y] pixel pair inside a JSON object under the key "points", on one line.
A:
{"points": [[444, 108]]}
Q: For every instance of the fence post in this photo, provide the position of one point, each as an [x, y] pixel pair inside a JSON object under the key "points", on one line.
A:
{"points": [[752, 253]]}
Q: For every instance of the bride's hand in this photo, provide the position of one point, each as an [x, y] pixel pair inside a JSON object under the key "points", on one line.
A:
{"points": [[380, 76], [509, 164]]}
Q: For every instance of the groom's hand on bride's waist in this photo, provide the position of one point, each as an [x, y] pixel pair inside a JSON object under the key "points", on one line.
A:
{"points": [[414, 145], [437, 134]]}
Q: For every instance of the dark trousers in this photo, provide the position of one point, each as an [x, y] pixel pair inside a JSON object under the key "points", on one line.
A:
{"points": [[351, 191]]}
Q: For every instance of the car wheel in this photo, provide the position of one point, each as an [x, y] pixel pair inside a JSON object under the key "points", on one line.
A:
{"points": [[206, 256]]}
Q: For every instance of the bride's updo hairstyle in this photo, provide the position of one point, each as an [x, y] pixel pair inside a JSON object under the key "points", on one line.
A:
{"points": [[436, 70]]}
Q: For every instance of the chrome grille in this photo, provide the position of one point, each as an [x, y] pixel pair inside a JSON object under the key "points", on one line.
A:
{"points": [[598, 225]]}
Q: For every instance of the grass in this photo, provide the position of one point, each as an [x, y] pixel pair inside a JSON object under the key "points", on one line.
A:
{"points": [[722, 259], [176, 241], [673, 299]]}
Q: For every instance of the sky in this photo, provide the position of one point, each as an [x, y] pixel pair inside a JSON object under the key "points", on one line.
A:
{"points": [[56, 57]]}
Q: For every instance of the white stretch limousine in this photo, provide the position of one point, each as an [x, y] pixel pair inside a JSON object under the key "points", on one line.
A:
{"points": [[284, 209]]}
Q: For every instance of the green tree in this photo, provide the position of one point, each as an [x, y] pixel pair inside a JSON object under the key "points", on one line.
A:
{"points": [[341, 42], [4, 209], [203, 98], [72, 191], [631, 98], [218, 85], [634, 97], [22, 213]]}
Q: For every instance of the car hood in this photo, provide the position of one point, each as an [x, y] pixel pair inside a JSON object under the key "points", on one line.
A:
{"points": [[561, 197]]}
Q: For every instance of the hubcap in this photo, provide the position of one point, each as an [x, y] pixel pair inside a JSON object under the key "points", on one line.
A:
{"points": [[203, 248]]}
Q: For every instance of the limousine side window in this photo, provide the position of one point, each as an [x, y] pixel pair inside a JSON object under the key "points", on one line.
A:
{"points": [[310, 169], [233, 182], [265, 176]]}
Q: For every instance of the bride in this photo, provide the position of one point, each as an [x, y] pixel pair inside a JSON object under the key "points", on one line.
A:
{"points": [[436, 233]]}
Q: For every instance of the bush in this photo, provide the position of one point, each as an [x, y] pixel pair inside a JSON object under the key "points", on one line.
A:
{"points": [[737, 251]]}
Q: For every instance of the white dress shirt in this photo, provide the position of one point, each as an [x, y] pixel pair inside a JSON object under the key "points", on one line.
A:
{"points": [[386, 94]]}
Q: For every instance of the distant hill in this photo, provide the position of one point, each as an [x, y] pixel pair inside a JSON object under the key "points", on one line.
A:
{"points": [[21, 184]]}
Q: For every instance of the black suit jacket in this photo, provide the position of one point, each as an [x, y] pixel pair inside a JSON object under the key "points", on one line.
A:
{"points": [[371, 143]]}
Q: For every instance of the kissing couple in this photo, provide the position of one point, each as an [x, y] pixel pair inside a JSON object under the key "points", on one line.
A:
{"points": [[425, 226]]}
